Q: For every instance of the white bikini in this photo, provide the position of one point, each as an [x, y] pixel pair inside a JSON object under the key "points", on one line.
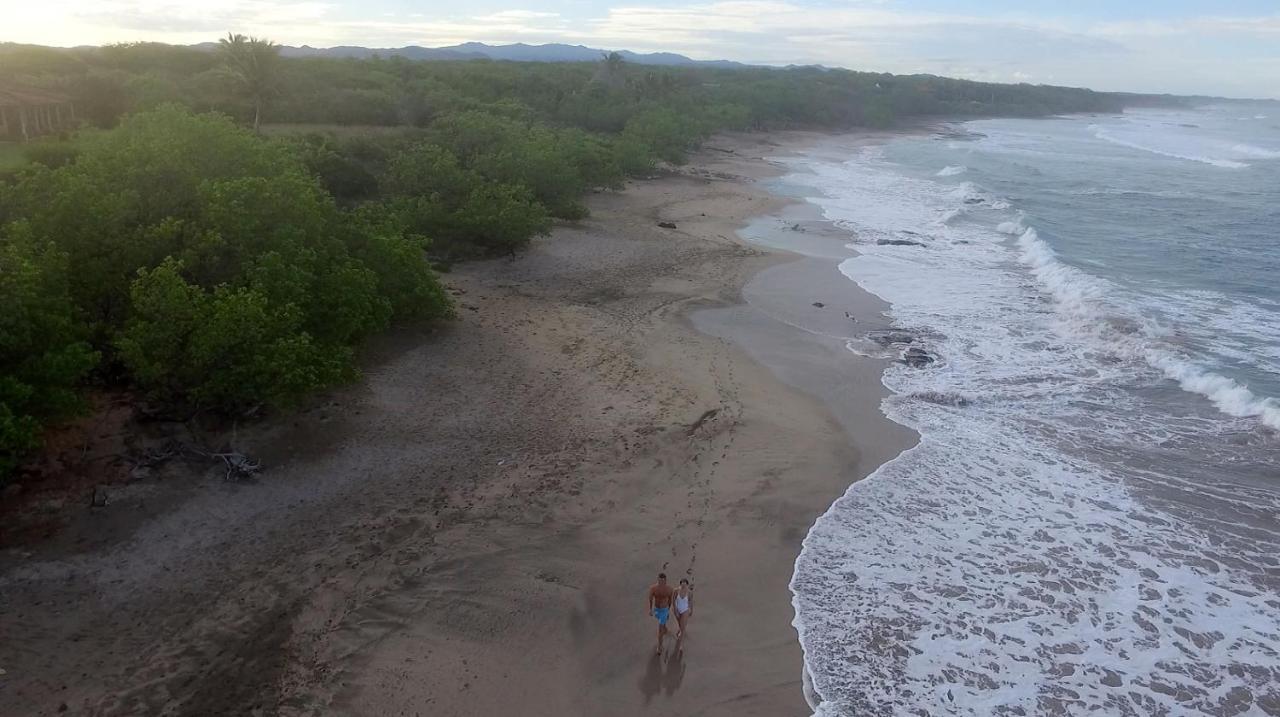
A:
{"points": [[682, 604]]}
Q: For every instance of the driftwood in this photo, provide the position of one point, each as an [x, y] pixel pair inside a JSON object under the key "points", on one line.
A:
{"points": [[238, 465]]}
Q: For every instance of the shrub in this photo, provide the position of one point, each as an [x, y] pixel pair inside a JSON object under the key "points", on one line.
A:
{"points": [[51, 154], [43, 355], [226, 348], [213, 268], [463, 213]]}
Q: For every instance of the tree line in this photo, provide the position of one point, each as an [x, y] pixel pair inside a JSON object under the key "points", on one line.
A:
{"points": [[171, 247]]}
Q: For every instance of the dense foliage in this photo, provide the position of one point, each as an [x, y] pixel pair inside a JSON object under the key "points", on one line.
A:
{"points": [[211, 270], [215, 268]]}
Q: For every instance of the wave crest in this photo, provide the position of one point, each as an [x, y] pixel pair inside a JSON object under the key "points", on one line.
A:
{"points": [[1081, 296], [1215, 161]]}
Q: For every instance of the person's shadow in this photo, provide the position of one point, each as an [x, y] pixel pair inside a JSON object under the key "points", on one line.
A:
{"points": [[657, 680], [675, 674], [651, 683]]}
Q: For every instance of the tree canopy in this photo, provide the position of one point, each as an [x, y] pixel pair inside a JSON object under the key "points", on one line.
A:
{"points": [[217, 269]]}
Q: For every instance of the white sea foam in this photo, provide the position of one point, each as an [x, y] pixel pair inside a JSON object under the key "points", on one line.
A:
{"points": [[1005, 565], [952, 170], [1249, 150], [1215, 161]]}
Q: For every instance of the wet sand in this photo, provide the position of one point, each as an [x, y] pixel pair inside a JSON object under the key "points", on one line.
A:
{"points": [[471, 529]]}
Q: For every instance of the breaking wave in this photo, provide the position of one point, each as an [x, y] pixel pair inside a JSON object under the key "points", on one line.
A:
{"points": [[1215, 161]]}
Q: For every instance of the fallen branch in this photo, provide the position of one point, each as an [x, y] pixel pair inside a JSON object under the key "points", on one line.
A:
{"points": [[238, 465]]}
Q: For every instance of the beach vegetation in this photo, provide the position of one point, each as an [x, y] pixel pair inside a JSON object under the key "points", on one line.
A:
{"points": [[212, 271], [229, 225]]}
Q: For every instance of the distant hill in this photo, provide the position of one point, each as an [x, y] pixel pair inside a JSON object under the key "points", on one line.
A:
{"points": [[519, 52]]}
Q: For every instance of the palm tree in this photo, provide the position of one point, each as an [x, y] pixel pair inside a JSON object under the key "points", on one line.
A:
{"points": [[252, 63], [609, 73]]}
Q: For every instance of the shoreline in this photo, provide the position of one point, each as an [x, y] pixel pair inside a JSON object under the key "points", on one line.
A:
{"points": [[618, 400]]}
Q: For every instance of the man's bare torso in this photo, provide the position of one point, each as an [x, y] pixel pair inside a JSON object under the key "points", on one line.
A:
{"points": [[661, 594]]}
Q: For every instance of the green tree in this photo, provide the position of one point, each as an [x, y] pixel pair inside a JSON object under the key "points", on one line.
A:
{"points": [[214, 269], [253, 65], [225, 348], [609, 73], [462, 211], [43, 354]]}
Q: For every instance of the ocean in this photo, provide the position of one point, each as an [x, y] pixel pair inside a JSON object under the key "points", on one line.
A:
{"points": [[1090, 523]]}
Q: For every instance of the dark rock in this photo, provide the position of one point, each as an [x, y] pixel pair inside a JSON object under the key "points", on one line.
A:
{"points": [[942, 398], [819, 304], [888, 338], [11, 491], [1112, 679], [100, 497], [916, 357], [974, 200], [667, 225], [898, 242]]}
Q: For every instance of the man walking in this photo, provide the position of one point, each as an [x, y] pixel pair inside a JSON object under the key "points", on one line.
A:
{"points": [[660, 594]]}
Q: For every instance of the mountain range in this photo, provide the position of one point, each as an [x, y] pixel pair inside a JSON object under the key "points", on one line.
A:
{"points": [[518, 52]]}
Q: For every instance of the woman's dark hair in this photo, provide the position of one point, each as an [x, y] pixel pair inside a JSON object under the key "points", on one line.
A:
{"points": [[684, 581]]}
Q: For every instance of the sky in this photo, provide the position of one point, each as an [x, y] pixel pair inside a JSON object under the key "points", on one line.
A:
{"points": [[1230, 48]]}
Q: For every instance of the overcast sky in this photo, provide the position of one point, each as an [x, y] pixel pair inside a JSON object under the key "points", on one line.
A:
{"points": [[1184, 46]]}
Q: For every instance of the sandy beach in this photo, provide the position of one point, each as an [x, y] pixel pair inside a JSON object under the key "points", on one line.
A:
{"points": [[470, 529]]}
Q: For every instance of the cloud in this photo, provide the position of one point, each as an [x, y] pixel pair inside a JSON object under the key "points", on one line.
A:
{"points": [[863, 37], [1243, 26], [1177, 55], [515, 16], [177, 16]]}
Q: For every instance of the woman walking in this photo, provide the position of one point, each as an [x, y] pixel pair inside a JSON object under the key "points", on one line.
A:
{"points": [[684, 610]]}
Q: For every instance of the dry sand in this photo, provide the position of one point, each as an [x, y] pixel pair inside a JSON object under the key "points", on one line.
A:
{"points": [[471, 529]]}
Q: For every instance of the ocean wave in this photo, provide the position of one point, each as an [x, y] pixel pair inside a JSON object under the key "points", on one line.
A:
{"points": [[1017, 560], [1215, 161], [1081, 296], [1226, 394], [952, 170], [971, 194], [1249, 150], [1074, 290], [1014, 227]]}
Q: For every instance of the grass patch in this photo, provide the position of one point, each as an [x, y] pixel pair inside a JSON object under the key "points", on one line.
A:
{"points": [[11, 155]]}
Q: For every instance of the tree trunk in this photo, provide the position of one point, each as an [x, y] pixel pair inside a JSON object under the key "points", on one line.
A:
{"points": [[257, 115]]}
